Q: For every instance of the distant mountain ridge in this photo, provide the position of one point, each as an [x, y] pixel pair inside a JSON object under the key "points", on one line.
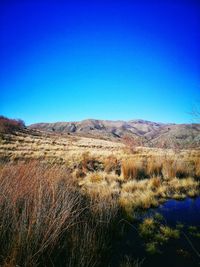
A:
{"points": [[150, 133]]}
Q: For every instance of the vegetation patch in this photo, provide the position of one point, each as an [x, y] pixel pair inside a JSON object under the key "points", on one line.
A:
{"points": [[155, 233], [194, 231], [46, 221]]}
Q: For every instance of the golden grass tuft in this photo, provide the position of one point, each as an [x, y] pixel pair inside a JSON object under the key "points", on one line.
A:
{"points": [[111, 164], [132, 169], [154, 166], [96, 177], [155, 182], [176, 168], [197, 167]]}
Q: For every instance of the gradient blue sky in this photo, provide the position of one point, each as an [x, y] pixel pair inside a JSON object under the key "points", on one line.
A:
{"points": [[72, 60]]}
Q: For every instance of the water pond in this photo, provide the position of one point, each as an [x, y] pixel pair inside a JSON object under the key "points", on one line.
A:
{"points": [[186, 211], [170, 236]]}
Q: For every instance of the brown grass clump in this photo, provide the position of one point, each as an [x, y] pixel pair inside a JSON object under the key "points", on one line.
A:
{"points": [[184, 185], [197, 167], [36, 205], [132, 169], [179, 188], [90, 163], [100, 185], [111, 164], [155, 182], [94, 235], [145, 193], [154, 167], [174, 168], [137, 194], [133, 185], [184, 169], [96, 177], [138, 200], [43, 218], [169, 168]]}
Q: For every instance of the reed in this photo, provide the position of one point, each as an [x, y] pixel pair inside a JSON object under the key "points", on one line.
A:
{"points": [[46, 221]]}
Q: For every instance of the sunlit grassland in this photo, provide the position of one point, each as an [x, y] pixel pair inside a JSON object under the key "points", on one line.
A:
{"points": [[61, 195], [103, 168]]}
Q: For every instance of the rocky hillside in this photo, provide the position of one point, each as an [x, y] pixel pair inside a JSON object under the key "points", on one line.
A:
{"points": [[146, 132]]}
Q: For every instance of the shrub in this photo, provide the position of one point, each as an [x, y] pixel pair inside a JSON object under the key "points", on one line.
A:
{"points": [[10, 125]]}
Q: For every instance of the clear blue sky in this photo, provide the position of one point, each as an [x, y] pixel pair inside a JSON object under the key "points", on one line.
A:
{"points": [[72, 60]]}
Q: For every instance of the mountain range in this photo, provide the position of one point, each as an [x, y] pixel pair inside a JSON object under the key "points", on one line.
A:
{"points": [[145, 132]]}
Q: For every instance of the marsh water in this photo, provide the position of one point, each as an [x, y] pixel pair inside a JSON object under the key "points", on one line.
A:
{"points": [[181, 252], [186, 211]]}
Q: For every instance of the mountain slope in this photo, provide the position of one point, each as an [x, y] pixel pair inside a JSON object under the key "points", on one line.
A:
{"points": [[150, 133]]}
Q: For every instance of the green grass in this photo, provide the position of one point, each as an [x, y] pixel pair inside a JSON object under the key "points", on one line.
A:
{"points": [[152, 248], [154, 234]]}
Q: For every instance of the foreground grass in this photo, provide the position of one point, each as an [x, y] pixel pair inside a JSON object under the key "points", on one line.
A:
{"points": [[45, 221]]}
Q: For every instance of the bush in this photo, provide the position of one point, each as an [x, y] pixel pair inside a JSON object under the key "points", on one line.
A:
{"points": [[10, 125]]}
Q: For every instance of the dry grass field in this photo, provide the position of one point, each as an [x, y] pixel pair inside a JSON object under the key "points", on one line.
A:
{"points": [[55, 188], [139, 179]]}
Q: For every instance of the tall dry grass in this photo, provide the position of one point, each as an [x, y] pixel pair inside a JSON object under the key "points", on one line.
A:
{"points": [[197, 167], [132, 169], [112, 164], [177, 168], [154, 166], [135, 168], [45, 221]]}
